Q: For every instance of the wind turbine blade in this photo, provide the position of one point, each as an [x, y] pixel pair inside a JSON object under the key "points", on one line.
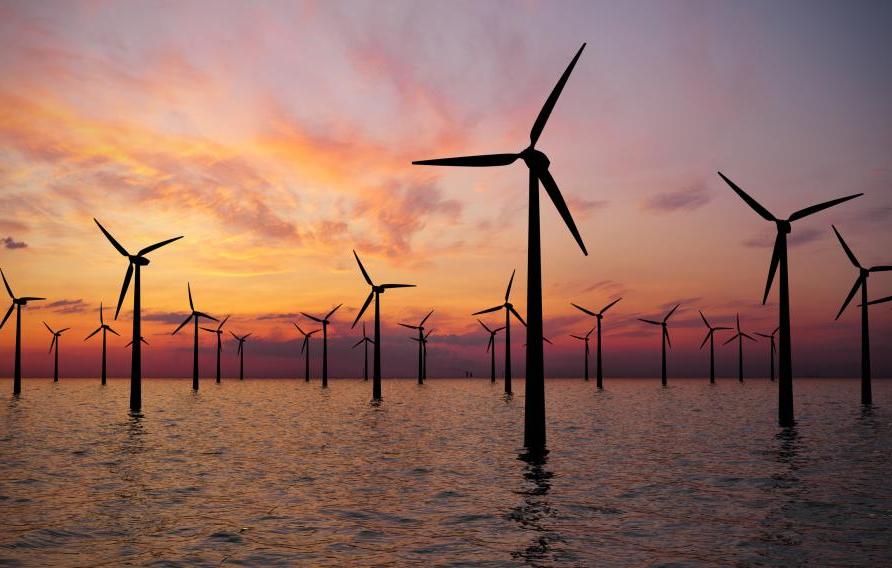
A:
{"points": [[108, 327], [425, 318], [5, 283], [587, 335], [510, 283], [187, 320], [409, 326], [362, 310], [880, 268], [204, 315], [6, 317], [672, 311], [552, 99], [765, 335], [748, 337], [127, 276], [210, 329], [30, 298], [577, 337], [583, 310], [517, 315], [546, 340], [705, 339], [247, 336], [610, 305], [775, 259], [157, 246], [329, 314], [98, 329], [101, 319], [880, 301], [189, 289], [314, 318], [358, 343], [722, 328], [480, 161], [489, 344], [239, 350], [733, 337], [233, 335], [704, 319], [111, 239], [314, 331], [821, 206], [219, 327], [365, 274], [488, 310], [846, 248], [652, 322], [298, 328], [48, 327], [858, 283], [498, 329], [303, 344], [388, 286], [484, 326], [428, 334], [53, 342], [749, 200], [738, 323], [62, 330], [552, 189], [668, 341]]}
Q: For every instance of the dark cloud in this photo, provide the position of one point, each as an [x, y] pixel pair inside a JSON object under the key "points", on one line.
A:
{"points": [[11, 243], [164, 317], [66, 306], [682, 200], [796, 238]]}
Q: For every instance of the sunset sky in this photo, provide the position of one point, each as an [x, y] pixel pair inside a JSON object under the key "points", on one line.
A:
{"points": [[277, 137]]}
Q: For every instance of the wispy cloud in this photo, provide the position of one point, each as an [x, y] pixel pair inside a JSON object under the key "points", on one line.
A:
{"points": [[794, 239], [10, 243], [75, 306], [686, 199]]}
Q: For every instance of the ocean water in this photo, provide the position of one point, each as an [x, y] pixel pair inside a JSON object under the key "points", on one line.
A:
{"points": [[280, 472]]}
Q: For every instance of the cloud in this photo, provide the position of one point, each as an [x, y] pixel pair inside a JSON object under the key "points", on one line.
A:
{"points": [[607, 285], [687, 199], [66, 306], [10, 243], [794, 239], [583, 208], [164, 317]]}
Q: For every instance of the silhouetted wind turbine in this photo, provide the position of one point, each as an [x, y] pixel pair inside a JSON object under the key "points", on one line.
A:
{"points": [[137, 260], [141, 340], [194, 317], [376, 292], [779, 258], [710, 337], [509, 311], [55, 343], [422, 341], [600, 316], [17, 303], [219, 331], [421, 352], [771, 351], [585, 338], [537, 163], [665, 340], [103, 328], [861, 282], [305, 349], [491, 348], [365, 343], [241, 354], [739, 336], [324, 321]]}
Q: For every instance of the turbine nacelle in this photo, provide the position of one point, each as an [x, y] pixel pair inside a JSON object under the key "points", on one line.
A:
{"points": [[784, 226], [138, 260], [536, 160]]}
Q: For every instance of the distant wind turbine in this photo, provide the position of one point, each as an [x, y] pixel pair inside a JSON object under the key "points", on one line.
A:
{"points": [[141, 340], [739, 336], [779, 258], [491, 347], [219, 331], [241, 354], [376, 292], [600, 316], [772, 350], [710, 337], [421, 343], [324, 321], [585, 338], [103, 327], [17, 303], [537, 163], [194, 317], [305, 349], [509, 311], [137, 260], [665, 340], [55, 343], [365, 343]]}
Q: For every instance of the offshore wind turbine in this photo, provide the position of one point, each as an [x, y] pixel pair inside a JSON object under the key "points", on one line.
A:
{"points": [[377, 290], [422, 341], [55, 343], [194, 317], [324, 321], [17, 303], [219, 331], [509, 311], [710, 337], [365, 343], [421, 346], [861, 282], [134, 263], [665, 340], [599, 315], [491, 348], [537, 163], [771, 351], [585, 338], [779, 259], [241, 354], [103, 327], [739, 336], [305, 349]]}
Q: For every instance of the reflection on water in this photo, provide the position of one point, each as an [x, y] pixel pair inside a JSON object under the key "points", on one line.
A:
{"points": [[285, 473]]}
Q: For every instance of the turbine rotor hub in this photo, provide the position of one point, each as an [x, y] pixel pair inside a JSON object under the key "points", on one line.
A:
{"points": [[19, 302], [865, 272], [784, 226], [378, 289], [139, 260], [535, 159]]}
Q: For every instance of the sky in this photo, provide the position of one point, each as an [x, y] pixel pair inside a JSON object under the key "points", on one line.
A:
{"points": [[277, 137]]}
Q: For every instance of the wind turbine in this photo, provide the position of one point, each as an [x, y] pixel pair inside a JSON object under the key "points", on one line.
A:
{"points": [[421, 352], [710, 337], [585, 338], [324, 321], [739, 337], [17, 303], [491, 348], [103, 327], [779, 258], [537, 163], [772, 350], [422, 342], [365, 343], [305, 349], [665, 340], [194, 316], [600, 316], [141, 340], [241, 354], [134, 263], [509, 310], [219, 331], [861, 282], [376, 292], [55, 343]]}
